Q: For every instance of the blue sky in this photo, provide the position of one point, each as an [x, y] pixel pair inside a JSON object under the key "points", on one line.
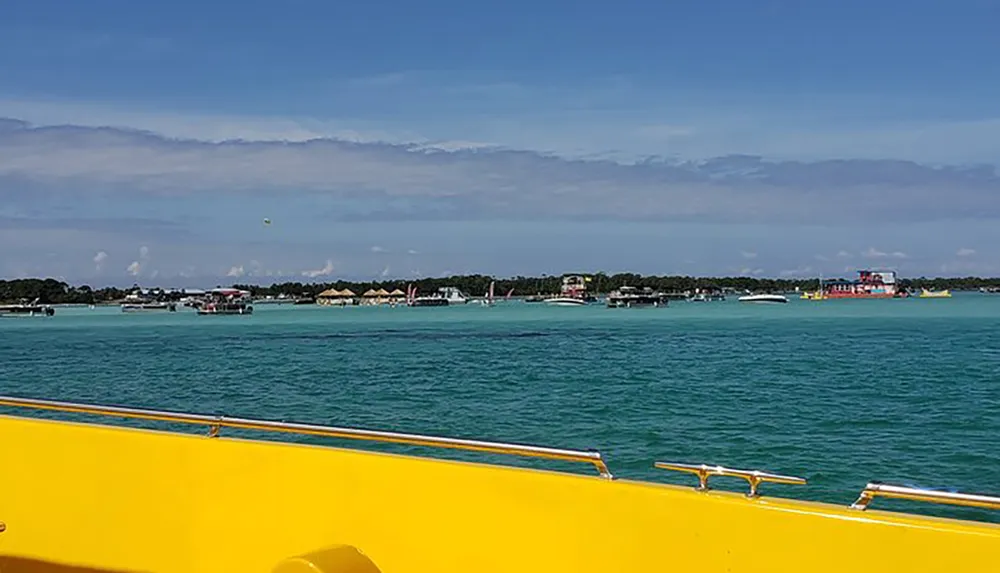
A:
{"points": [[147, 141]]}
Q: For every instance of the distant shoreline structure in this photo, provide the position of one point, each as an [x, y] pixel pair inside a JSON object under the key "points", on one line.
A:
{"points": [[52, 291]]}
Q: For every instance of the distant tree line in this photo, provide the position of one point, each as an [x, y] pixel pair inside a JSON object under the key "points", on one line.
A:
{"points": [[599, 282], [51, 291]]}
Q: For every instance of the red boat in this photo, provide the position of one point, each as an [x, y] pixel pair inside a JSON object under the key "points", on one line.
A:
{"points": [[870, 284]]}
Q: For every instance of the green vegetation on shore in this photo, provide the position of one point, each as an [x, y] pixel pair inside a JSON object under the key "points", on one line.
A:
{"points": [[51, 291]]}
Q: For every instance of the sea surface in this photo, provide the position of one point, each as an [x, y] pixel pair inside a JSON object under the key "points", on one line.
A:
{"points": [[837, 392]]}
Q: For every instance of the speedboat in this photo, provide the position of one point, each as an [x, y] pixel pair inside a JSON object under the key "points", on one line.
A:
{"points": [[764, 298], [567, 301]]}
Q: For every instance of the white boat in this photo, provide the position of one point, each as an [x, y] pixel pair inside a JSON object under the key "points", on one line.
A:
{"points": [[629, 297], [574, 293], [147, 306], [25, 309], [764, 298], [148, 300], [703, 296], [488, 299], [566, 301], [445, 296], [454, 295], [226, 301]]}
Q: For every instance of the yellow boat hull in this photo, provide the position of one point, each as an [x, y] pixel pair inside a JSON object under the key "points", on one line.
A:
{"points": [[126, 500], [935, 294]]}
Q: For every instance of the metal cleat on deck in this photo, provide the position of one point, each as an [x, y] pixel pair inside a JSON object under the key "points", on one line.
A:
{"points": [[753, 477]]}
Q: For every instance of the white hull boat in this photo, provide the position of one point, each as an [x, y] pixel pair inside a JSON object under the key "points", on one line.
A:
{"points": [[565, 301], [764, 298]]}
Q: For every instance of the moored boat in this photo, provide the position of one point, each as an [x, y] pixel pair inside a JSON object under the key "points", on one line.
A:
{"points": [[445, 296], [226, 301], [925, 293], [137, 302], [32, 309], [324, 509], [146, 306], [764, 298], [868, 285], [706, 295], [573, 293], [634, 297]]}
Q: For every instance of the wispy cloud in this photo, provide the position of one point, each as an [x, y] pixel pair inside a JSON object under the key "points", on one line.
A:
{"points": [[236, 271], [749, 255], [326, 270], [569, 121], [797, 272], [378, 249], [873, 253], [965, 252], [134, 268], [402, 181]]}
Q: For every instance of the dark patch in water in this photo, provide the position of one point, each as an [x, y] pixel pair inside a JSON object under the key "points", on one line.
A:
{"points": [[393, 334]]}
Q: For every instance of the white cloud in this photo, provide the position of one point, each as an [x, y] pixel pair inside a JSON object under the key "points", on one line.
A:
{"points": [[412, 252], [136, 268], [797, 272], [747, 271], [873, 253], [236, 271], [966, 267], [965, 252], [325, 271], [749, 254], [378, 249], [99, 259], [843, 254], [385, 272]]}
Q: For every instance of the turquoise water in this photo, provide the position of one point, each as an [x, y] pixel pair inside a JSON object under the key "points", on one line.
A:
{"points": [[838, 392]]}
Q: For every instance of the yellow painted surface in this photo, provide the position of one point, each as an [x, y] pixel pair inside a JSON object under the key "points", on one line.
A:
{"points": [[116, 499]]}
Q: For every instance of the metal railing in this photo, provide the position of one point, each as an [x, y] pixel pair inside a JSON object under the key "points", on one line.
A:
{"points": [[216, 423], [878, 489], [753, 477]]}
